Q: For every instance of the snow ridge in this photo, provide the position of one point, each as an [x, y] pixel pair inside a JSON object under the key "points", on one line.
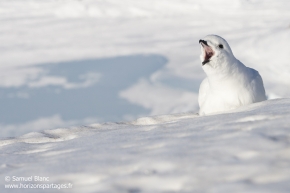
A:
{"points": [[244, 150]]}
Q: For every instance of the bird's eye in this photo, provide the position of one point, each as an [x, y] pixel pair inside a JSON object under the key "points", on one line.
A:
{"points": [[221, 46]]}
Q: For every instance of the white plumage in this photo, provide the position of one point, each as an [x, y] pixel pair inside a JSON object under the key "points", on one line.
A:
{"points": [[229, 83]]}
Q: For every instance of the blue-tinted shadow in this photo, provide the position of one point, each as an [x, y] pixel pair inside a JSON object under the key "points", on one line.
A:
{"points": [[99, 100]]}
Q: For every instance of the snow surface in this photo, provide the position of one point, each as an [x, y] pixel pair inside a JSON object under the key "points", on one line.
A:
{"points": [[37, 33], [243, 151]]}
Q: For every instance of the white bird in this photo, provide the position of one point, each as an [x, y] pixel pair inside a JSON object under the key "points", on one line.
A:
{"points": [[229, 83]]}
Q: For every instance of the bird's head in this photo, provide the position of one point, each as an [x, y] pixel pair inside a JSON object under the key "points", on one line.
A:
{"points": [[216, 54]]}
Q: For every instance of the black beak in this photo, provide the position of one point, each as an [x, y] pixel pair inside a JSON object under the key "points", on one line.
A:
{"points": [[204, 42]]}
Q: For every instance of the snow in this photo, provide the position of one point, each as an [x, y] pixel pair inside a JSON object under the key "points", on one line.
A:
{"points": [[68, 63], [244, 150], [39, 33]]}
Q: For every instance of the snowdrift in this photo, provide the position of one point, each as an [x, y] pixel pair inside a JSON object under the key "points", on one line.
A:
{"points": [[53, 55], [246, 150]]}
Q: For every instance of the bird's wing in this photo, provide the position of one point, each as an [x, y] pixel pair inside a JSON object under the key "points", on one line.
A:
{"points": [[258, 86], [203, 91]]}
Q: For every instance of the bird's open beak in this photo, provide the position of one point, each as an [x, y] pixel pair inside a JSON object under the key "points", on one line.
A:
{"points": [[208, 51]]}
